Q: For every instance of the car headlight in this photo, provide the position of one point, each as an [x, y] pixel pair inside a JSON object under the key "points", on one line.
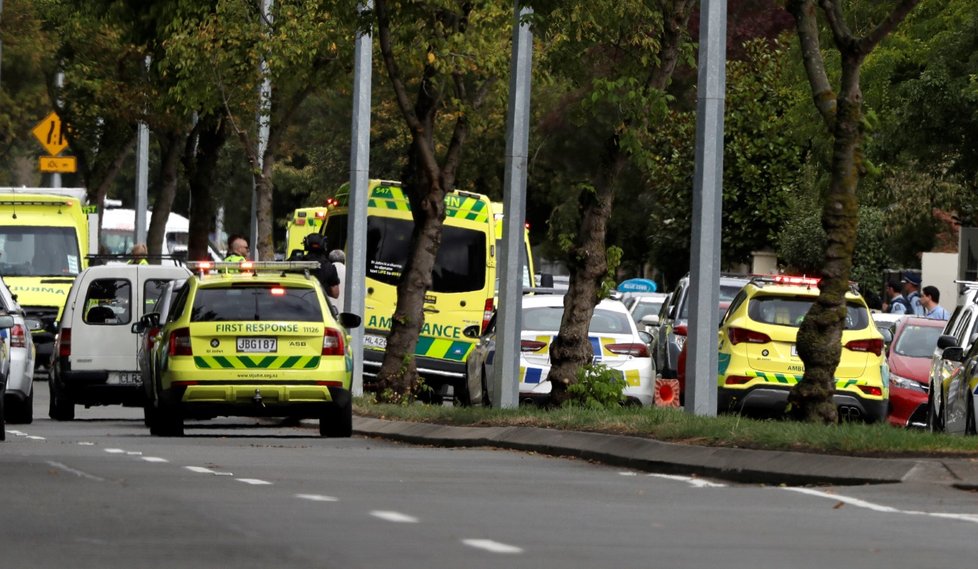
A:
{"points": [[907, 383]]}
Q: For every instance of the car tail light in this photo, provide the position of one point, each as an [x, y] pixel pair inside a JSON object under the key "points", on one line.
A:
{"points": [[637, 350], [872, 345], [64, 343], [180, 343], [531, 346], [871, 390], [737, 380], [332, 342], [680, 330], [18, 339], [738, 335], [487, 315], [277, 291]]}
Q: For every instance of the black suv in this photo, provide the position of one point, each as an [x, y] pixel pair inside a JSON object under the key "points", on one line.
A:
{"points": [[675, 316]]}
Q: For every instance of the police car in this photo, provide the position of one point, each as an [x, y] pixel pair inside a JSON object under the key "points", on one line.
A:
{"points": [[253, 339], [758, 356]]}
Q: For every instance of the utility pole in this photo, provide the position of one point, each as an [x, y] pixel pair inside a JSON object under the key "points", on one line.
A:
{"points": [[264, 107]]}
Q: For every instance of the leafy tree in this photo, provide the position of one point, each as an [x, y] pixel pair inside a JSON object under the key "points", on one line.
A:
{"points": [[820, 334], [443, 59]]}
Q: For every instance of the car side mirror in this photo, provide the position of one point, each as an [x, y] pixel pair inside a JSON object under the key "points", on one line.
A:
{"points": [[6, 321], [473, 331], [946, 341], [349, 320], [546, 280], [645, 336], [138, 327], [953, 354], [887, 336], [651, 320]]}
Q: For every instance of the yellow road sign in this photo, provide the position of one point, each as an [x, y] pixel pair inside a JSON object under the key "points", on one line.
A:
{"points": [[63, 164], [50, 132]]}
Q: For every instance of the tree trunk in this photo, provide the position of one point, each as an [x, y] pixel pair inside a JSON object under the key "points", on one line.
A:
{"points": [[264, 188], [200, 161], [167, 189]]}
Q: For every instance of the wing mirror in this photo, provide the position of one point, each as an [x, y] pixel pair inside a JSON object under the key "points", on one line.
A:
{"points": [[349, 320], [953, 354], [473, 331], [650, 320], [946, 341]]}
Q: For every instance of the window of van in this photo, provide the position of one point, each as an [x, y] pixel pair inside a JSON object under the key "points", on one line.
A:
{"points": [[108, 302], [459, 267], [256, 303], [152, 289], [39, 251]]}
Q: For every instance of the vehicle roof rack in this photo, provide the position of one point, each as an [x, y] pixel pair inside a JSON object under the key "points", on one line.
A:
{"points": [[252, 267]]}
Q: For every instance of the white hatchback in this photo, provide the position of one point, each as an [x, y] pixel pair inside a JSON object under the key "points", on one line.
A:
{"points": [[19, 397], [615, 341]]}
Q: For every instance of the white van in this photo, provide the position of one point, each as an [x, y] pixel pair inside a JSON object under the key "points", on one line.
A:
{"points": [[119, 233], [95, 358]]}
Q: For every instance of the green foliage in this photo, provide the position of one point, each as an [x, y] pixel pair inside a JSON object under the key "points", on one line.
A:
{"points": [[597, 387]]}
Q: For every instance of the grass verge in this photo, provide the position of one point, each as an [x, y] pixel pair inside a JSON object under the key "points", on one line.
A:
{"points": [[672, 425]]}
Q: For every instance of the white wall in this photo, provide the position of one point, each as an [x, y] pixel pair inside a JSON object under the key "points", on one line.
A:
{"points": [[940, 270]]}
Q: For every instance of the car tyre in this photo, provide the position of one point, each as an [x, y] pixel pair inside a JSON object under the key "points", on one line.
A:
{"points": [[21, 412], [3, 430], [934, 422], [461, 396], [167, 422], [336, 421], [61, 407], [486, 400], [969, 423]]}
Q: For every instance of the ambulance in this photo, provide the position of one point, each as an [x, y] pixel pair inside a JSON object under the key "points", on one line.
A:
{"points": [[463, 278], [44, 241], [528, 268], [302, 222]]}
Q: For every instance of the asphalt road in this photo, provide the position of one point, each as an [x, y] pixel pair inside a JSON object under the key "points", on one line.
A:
{"points": [[100, 492]]}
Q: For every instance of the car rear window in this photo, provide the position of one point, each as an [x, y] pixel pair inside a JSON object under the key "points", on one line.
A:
{"points": [[107, 302], [256, 303], [791, 310], [917, 341], [547, 319], [727, 294]]}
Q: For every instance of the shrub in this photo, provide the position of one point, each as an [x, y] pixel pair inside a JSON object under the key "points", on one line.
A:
{"points": [[597, 387]]}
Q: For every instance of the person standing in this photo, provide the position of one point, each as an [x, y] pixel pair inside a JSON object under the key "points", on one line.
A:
{"points": [[138, 253], [895, 302], [929, 302], [237, 249], [338, 258], [911, 291]]}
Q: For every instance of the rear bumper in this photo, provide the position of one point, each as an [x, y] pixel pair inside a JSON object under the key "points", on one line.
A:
{"points": [[92, 388], [434, 371], [241, 399], [774, 398]]}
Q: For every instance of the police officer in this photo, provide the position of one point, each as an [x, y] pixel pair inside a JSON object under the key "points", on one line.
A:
{"points": [[237, 249], [314, 249], [138, 253]]}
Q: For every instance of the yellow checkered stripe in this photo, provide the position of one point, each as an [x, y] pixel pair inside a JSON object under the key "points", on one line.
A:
{"points": [[595, 341], [256, 362], [791, 379], [443, 349]]}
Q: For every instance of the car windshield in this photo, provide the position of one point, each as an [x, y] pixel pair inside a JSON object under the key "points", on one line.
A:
{"points": [[727, 293], [39, 251], [256, 303], [643, 309], [547, 319], [791, 310], [917, 341]]}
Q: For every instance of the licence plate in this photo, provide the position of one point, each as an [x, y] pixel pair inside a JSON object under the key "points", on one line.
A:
{"points": [[255, 344], [125, 377], [378, 342]]}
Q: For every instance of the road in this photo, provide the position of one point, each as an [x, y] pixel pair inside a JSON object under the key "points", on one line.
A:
{"points": [[100, 492]]}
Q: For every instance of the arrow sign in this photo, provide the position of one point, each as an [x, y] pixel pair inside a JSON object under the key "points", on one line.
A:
{"points": [[50, 133]]}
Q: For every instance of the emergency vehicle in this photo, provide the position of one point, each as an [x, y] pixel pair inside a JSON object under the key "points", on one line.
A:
{"points": [[44, 240], [251, 339], [463, 277], [302, 222]]}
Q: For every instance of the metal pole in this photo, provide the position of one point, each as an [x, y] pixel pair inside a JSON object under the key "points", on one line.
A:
{"points": [[505, 376], [356, 230], [701, 363], [59, 82], [142, 178], [264, 107]]}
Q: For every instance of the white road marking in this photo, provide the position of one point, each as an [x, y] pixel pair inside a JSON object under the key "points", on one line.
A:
{"points": [[253, 481], [627, 473], [317, 497], [134, 453], [17, 433], [36, 438], [76, 472], [880, 508], [154, 459], [86, 444], [202, 470], [115, 451], [697, 482], [492, 546], [394, 517]]}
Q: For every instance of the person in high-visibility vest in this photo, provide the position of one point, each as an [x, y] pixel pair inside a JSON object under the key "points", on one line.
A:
{"points": [[237, 249], [138, 253]]}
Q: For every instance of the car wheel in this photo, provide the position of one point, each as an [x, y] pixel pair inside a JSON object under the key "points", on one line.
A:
{"points": [[336, 421], [969, 423], [149, 414], [21, 412], [3, 430], [486, 400], [168, 422], [61, 407], [461, 396], [934, 423]]}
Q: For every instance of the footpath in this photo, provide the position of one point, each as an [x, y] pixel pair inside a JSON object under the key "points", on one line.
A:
{"points": [[733, 464]]}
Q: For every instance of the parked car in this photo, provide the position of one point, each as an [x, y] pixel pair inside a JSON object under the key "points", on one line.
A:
{"points": [[674, 318], [18, 399], [645, 304], [886, 323], [148, 330], [95, 357], [908, 357], [615, 339], [950, 393], [758, 356], [6, 323]]}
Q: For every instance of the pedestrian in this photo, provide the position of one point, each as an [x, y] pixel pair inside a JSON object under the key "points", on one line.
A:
{"points": [[237, 249], [138, 254], [895, 302], [911, 291], [929, 301], [338, 258], [314, 249]]}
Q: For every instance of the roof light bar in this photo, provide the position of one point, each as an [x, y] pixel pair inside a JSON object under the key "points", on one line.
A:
{"points": [[254, 266]]}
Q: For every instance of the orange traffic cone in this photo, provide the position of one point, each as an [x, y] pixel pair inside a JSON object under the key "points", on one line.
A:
{"points": [[666, 392]]}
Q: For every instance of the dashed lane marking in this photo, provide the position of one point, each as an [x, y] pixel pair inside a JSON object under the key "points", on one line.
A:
{"points": [[75, 471], [154, 459], [202, 470], [396, 517], [115, 451], [254, 481], [317, 498], [492, 546], [697, 482]]}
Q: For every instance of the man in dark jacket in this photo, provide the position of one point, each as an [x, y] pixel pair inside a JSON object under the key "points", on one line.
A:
{"points": [[314, 249]]}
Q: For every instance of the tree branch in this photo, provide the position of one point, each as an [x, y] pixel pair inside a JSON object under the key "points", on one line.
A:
{"points": [[807, 24], [898, 14]]}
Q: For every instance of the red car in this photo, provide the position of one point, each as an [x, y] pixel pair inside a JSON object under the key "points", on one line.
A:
{"points": [[909, 358]]}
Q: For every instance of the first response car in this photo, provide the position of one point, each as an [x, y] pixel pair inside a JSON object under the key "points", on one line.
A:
{"points": [[252, 339]]}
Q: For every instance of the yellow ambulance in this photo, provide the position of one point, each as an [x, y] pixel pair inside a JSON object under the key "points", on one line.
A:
{"points": [[463, 278], [302, 222], [44, 242]]}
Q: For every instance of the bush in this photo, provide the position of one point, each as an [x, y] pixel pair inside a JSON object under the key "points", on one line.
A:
{"points": [[597, 387]]}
